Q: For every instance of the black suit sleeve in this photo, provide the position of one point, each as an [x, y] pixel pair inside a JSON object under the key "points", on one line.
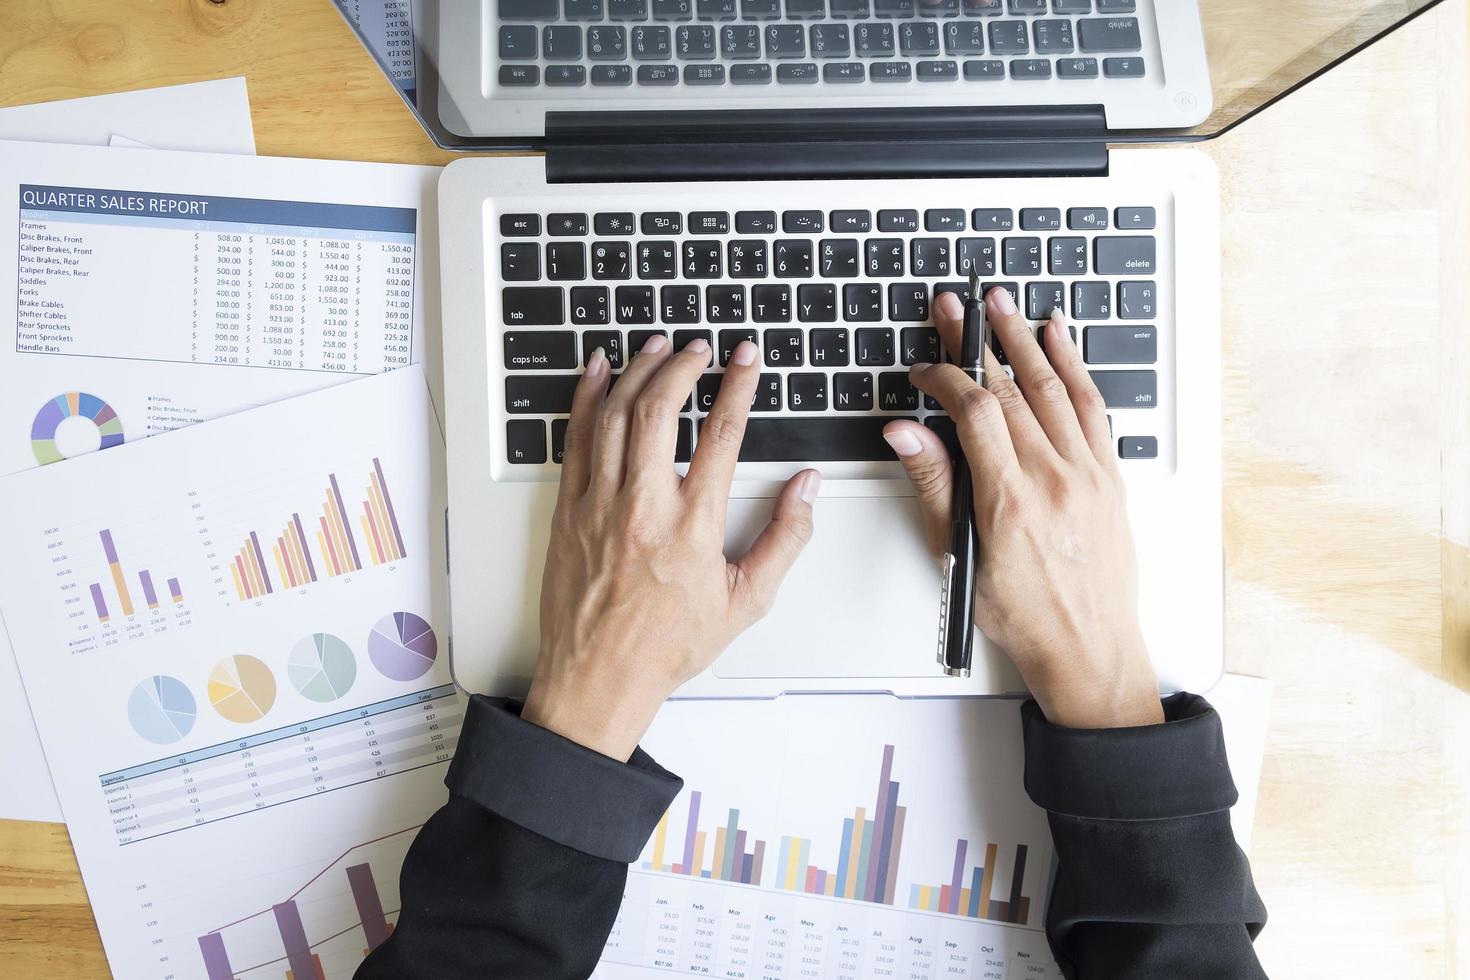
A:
{"points": [[1149, 880], [521, 873]]}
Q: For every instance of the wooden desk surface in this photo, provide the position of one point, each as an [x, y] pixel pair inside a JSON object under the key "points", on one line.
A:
{"points": [[1347, 424]]}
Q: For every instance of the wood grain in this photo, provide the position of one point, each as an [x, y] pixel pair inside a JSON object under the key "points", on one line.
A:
{"points": [[1347, 435]]}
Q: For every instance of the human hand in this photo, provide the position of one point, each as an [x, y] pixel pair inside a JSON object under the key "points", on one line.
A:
{"points": [[637, 596], [1057, 582]]}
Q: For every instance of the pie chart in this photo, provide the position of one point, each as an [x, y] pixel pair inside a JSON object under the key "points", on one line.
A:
{"points": [[161, 709], [242, 689], [322, 667], [402, 646]]}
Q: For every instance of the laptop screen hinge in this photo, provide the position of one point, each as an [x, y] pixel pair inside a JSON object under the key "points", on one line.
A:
{"points": [[794, 144]]}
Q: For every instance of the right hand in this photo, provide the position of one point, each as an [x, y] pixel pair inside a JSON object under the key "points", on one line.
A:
{"points": [[1056, 584]]}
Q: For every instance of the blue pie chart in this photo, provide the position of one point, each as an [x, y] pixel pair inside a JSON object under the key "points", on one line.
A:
{"points": [[161, 709]]}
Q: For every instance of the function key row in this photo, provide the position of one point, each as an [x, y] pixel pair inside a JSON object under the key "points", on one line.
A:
{"points": [[810, 73], [575, 224], [677, 10]]}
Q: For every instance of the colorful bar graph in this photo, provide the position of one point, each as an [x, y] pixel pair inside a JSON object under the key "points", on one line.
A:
{"points": [[117, 573], [149, 595], [174, 591], [369, 905], [293, 937], [729, 858], [248, 571], [344, 527], [99, 603], [379, 522], [216, 961], [120, 584], [976, 902]]}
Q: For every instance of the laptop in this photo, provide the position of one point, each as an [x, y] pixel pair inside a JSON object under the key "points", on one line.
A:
{"points": [[819, 216]]}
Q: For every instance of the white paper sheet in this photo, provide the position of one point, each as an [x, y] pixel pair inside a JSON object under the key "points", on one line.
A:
{"points": [[215, 754], [127, 330], [210, 117]]}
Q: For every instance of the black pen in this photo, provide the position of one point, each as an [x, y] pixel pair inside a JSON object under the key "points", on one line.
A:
{"points": [[956, 628]]}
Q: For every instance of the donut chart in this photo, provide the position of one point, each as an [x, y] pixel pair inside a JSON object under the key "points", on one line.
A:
{"points": [[73, 404]]}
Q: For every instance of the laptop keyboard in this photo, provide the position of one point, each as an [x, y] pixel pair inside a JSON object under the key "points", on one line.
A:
{"points": [[701, 43], [838, 301]]}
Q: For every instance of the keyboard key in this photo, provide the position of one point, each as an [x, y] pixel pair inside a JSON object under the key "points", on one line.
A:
{"points": [[1136, 300], [919, 38], [919, 344], [1123, 67], [561, 43], [658, 75], [589, 305], [1142, 219], [893, 8], [750, 74], [658, 260], [1009, 37], [1030, 68], [831, 41], [939, 8], [873, 40], [529, 9], [1023, 7], [709, 222], [783, 348], [748, 258], [558, 440], [1067, 257], [1138, 447], [1087, 219], [1127, 389], [662, 222], [704, 74], [740, 41], [944, 219], [1071, 6], [1076, 67], [613, 223], [794, 259], [716, 9], [890, 71], [520, 262], [724, 304], [816, 302], [939, 71], [1121, 345], [673, 9], [874, 346], [607, 43], [611, 342], [634, 304], [627, 9], [851, 221], [760, 9], [566, 225], [652, 44], [839, 257], [852, 391], [785, 41], [695, 42], [908, 302], [862, 302], [540, 394], [829, 347], [525, 441], [684, 441], [518, 43], [1134, 254], [679, 304], [896, 393], [1044, 297], [960, 289], [993, 219], [612, 75], [1041, 219], [582, 9], [731, 339], [767, 394], [806, 9], [566, 261], [815, 440], [930, 256], [801, 222], [1115, 6], [683, 338], [849, 9], [755, 222], [796, 73], [1023, 256], [566, 75], [516, 75], [543, 350], [1109, 34], [976, 255], [1041, 339], [806, 392], [980, 71], [1092, 301], [771, 304], [1010, 287], [898, 221], [844, 71], [1052, 36], [638, 338], [520, 225], [964, 37], [706, 391], [612, 260], [885, 256], [536, 306]]}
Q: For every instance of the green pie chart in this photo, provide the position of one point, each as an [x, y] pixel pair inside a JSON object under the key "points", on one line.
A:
{"points": [[322, 667]]}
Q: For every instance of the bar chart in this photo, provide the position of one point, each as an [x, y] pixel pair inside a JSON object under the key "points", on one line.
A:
{"points": [[126, 605], [729, 859]]}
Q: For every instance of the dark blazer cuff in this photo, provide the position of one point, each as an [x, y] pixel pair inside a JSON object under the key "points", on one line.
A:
{"points": [[554, 787], [1155, 772]]}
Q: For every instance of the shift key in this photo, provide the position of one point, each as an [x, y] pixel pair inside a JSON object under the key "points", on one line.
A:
{"points": [[531, 306], [540, 394], [1128, 389]]}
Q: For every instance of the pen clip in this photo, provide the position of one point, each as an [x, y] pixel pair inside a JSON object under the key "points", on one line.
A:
{"points": [[946, 569]]}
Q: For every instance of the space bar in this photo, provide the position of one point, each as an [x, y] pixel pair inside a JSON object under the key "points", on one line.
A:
{"points": [[818, 440]]}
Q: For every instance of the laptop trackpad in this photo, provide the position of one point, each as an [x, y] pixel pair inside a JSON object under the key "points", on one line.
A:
{"points": [[862, 601]]}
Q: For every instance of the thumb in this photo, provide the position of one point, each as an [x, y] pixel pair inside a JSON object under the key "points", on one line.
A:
{"points": [[927, 461], [755, 578]]}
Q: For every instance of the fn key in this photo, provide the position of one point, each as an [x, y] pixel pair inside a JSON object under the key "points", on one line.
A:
{"points": [[525, 441]]}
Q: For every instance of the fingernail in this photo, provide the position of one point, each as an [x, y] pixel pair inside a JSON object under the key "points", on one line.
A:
{"points": [[904, 443], [597, 363], [1000, 298], [654, 344], [699, 345], [744, 354], [811, 485], [919, 367], [950, 305]]}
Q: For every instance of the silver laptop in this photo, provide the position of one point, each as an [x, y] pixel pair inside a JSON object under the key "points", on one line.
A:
{"points": [[819, 217]]}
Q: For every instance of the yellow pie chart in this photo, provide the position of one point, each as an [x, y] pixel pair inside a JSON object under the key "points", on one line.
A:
{"points": [[242, 689]]}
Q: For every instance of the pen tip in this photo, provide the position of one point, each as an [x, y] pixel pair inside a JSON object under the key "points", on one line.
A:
{"points": [[975, 286]]}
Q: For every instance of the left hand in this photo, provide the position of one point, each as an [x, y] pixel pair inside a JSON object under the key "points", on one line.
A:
{"points": [[637, 596]]}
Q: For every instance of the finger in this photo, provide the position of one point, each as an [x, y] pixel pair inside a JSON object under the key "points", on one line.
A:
{"points": [[1087, 401], [949, 319], [718, 450], [978, 417], [755, 578], [927, 462], [656, 414], [587, 399], [610, 435], [1044, 391]]}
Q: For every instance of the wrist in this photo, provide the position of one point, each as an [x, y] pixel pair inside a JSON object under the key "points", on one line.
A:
{"points": [[610, 725], [1120, 691]]}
